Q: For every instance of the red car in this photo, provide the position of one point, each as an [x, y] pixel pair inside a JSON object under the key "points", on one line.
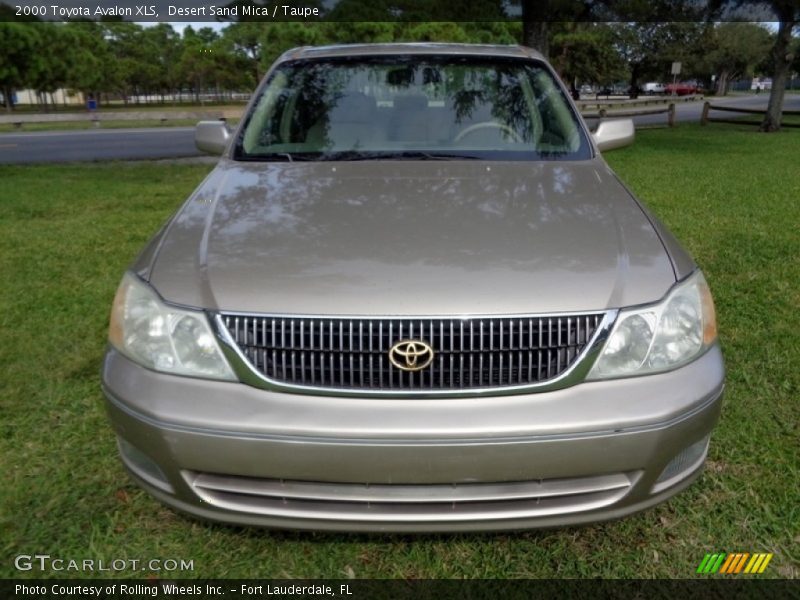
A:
{"points": [[682, 89]]}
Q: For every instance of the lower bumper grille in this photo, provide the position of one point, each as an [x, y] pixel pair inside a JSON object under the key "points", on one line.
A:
{"points": [[405, 503], [469, 353]]}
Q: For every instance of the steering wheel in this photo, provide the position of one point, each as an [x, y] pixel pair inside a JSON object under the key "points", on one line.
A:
{"points": [[488, 125]]}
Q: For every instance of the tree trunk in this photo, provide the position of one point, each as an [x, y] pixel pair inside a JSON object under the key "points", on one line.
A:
{"points": [[534, 35], [633, 89], [534, 25], [722, 84], [7, 97], [781, 59]]}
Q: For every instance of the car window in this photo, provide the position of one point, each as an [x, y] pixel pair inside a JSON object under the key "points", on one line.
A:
{"points": [[411, 107]]}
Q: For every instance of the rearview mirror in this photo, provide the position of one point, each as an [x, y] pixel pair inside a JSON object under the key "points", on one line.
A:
{"points": [[400, 77], [212, 136], [614, 134]]}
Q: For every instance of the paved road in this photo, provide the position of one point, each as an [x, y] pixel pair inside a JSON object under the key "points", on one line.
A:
{"points": [[97, 144], [176, 142]]}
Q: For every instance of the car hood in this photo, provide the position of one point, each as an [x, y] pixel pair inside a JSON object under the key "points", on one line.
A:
{"points": [[410, 238]]}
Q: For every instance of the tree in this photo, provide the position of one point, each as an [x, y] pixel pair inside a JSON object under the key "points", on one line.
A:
{"points": [[233, 70], [134, 65], [55, 55], [197, 65], [17, 44], [92, 58], [538, 14], [416, 11], [494, 32], [735, 50], [585, 52], [246, 39], [363, 32], [795, 68], [162, 47], [649, 48], [789, 14], [280, 37], [433, 32]]}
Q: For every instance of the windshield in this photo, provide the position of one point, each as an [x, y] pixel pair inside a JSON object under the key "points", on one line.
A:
{"points": [[416, 107]]}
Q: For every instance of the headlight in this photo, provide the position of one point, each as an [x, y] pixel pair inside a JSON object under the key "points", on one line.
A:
{"points": [[662, 336], [161, 337]]}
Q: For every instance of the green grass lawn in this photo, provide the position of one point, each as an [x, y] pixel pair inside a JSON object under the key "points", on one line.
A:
{"points": [[68, 232]]}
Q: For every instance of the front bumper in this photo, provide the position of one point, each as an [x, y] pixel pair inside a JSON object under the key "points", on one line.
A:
{"points": [[232, 453]]}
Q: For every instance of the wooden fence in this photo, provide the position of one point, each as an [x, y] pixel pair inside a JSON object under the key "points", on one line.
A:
{"points": [[97, 117], [624, 107], [708, 107]]}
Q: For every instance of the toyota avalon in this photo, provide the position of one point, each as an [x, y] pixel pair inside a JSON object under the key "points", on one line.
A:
{"points": [[412, 296]]}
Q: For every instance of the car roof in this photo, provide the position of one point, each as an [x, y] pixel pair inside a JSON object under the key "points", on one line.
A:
{"points": [[420, 48]]}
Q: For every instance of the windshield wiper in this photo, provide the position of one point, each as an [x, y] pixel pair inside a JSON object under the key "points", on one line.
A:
{"points": [[277, 156], [298, 157], [437, 156], [353, 155]]}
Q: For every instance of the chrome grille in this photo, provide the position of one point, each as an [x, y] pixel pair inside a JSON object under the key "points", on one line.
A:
{"points": [[410, 503], [353, 353]]}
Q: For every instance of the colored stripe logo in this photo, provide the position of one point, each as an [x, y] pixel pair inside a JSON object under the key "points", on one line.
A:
{"points": [[735, 563]]}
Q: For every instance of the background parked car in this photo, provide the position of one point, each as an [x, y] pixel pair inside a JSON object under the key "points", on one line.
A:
{"points": [[654, 87], [683, 88], [613, 90], [761, 83]]}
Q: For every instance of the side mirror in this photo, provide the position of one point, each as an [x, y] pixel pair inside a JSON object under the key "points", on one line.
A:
{"points": [[614, 134], [212, 136]]}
